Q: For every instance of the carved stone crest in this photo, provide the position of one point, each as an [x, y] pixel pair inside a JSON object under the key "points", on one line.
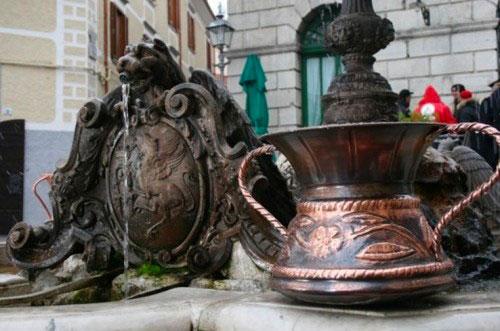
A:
{"points": [[171, 179]]}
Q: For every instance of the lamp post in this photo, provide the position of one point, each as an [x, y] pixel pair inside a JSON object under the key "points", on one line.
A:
{"points": [[426, 14], [220, 33]]}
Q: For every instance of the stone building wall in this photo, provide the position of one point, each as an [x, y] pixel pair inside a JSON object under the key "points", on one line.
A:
{"points": [[459, 46], [52, 61]]}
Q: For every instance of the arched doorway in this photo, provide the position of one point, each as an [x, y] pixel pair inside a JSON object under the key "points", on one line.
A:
{"points": [[318, 66]]}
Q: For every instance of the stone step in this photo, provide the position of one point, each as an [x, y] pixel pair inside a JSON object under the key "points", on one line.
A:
{"points": [[201, 309]]}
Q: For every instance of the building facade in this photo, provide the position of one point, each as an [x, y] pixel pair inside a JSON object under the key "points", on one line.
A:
{"points": [[56, 54], [459, 46]]}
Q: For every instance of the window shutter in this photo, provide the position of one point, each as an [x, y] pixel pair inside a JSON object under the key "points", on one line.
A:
{"points": [[171, 12], [209, 57], [191, 33], [125, 34], [177, 12], [113, 32]]}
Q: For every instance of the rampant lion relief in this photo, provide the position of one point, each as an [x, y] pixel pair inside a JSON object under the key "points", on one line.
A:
{"points": [[179, 160]]}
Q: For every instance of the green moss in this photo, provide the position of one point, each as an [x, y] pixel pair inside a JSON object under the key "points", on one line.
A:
{"points": [[156, 270], [84, 296], [81, 297], [151, 270]]}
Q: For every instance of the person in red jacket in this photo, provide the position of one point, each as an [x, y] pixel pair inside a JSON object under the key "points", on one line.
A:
{"points": [[432, 107]]}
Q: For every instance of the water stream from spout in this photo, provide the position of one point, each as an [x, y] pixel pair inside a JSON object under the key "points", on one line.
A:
{"points": [[125, 213]]}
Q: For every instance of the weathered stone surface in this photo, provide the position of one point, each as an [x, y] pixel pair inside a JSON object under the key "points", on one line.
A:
{"points": [[288, 173], [198, 309], [441, 183], [73, 268], [243, 285], [437, 167], [240, 275], [429, 46], [409, 68], [395, 50], [448, 64], [242, 267], [9, 279], [3, 254], [138, 282], [473, 41], [486, 60], [88, 295]]}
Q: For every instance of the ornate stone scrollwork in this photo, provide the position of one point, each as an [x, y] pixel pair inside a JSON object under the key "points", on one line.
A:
{"points": [[184, 145]]}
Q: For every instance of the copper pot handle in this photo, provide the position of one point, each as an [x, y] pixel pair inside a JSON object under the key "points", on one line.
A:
{"points": [[242, 173], [477, 193]]}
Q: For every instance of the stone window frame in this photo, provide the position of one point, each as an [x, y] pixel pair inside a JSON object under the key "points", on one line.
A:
{"points": [[311, 50]]}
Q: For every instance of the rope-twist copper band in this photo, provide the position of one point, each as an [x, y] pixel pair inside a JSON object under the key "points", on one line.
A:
{"points": [[359, 205], [477, 193], [242, 173], [358, 274]]}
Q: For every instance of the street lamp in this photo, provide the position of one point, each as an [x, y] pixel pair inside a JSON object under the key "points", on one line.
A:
{"points": [[220, 33], [426, 14]]}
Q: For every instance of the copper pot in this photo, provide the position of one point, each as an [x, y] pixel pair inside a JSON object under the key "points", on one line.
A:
{"points": [[359, 235]]}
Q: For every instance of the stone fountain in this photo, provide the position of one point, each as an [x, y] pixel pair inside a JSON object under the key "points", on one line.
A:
{"points": [[160, 184]]}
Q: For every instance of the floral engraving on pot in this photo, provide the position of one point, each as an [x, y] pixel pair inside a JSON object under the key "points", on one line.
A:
{"points": [[325, 240], [321, 241]]}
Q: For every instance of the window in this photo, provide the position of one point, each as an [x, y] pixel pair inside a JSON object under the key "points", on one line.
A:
{"points": [[119, 32], [209, 57], [318, 66], [191, 33], [174, 18]]}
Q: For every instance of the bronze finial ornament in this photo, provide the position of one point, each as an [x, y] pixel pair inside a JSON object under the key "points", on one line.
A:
{"points": [[360, 94], [359, 235]]}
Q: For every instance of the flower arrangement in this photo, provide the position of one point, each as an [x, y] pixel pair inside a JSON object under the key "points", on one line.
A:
{"points": [[415, 117]]}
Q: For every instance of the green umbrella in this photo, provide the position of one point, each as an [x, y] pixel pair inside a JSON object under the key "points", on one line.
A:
{"points": [[253, 81]]}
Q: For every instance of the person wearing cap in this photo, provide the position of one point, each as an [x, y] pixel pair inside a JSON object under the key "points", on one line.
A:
{"points": [[467, 108], [455, 93], [495, 85], [404, 102]]}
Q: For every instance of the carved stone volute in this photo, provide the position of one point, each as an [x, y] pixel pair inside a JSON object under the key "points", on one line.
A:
{"points": [[357, 34]]}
